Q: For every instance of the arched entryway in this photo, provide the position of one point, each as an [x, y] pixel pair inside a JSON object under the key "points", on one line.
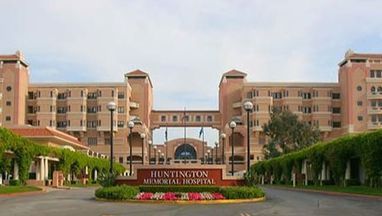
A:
{"points": [[185, 151]]}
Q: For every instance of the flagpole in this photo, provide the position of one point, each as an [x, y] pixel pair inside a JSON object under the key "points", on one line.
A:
{"points": [[185, 134], [166, 145], [204, 162]]}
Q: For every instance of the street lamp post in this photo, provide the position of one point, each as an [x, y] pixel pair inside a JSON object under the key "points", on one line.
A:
{"points": [[150, 151], [222, 136], [155, 154], [232, 125], [131, 125], [216, 151], [111, 107], [159, 154], [143, 141], [208, 158], [248, 106]]}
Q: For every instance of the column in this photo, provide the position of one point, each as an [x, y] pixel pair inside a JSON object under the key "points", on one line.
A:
{"points": [[16, 171], [46, 168], [347, 172], [42, 169], [95, 175], [38, 174], [323, 171], [1, 178]]}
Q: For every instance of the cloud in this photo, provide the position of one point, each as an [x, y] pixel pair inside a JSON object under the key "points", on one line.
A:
{"points": [[185, 46]]}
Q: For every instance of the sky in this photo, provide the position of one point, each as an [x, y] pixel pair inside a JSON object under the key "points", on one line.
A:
{"points": [[186, 46]]}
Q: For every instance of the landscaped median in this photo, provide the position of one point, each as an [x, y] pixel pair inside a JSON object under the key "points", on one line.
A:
{"points": [[181, 194]]}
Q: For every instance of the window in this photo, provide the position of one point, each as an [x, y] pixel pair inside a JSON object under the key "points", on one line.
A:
{"points": [[249, 94], [372, 89], [121, 95], [163, 118], [359, 88], [92, 141], [336, 110], [112, 93], [379, 89], [8, 103], [198, 118], [359, 103], [107, 141], [306, 95], [121, 109], [209, 118], [187, 118], [360, 118], [121, 124], [9, 88], [336, 96], [372, 74], [336, 124], [7, 118], [174, 118], [373, 118], [307, 109], [121, 160]]}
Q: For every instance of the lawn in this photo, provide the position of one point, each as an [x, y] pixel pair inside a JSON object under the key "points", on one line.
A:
{"points": [[333, 188], [17, 189]]}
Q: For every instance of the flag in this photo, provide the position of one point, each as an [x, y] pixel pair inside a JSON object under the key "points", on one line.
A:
{"points": [[166, 135], [201, 132]]}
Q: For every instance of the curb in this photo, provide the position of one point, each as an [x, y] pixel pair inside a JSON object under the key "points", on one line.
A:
{"points": [[189, 202], [333, 193]]}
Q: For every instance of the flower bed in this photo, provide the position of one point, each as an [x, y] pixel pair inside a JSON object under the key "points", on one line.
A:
{"points": [[170, 196], [221, 194]]}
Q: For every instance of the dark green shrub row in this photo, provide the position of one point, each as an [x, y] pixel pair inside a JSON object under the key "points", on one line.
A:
{"points": [[367, 147], [122, 192], [241, 192], [25, 151], [174, 188]]}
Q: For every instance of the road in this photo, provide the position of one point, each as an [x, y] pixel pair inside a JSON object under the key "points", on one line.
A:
{"points": [[279, 202]]}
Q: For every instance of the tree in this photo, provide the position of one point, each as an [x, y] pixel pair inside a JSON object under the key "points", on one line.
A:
{"points": [[287, 133]]}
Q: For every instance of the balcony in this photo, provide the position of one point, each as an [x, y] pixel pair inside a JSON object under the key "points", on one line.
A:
{"points": [[374, 125], [374, 110], [325, 128], [374, 95], [257, 128], [134, 105], [237, 105], [75, 128], [373, 80]]}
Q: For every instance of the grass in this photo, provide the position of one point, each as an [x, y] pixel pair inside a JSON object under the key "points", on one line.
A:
{"points": [[364, 190], [17, 189]]}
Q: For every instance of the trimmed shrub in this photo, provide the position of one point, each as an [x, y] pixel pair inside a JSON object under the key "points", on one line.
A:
{"points": [[15, 183], [241, 192], [184, 189], [123, 192]]}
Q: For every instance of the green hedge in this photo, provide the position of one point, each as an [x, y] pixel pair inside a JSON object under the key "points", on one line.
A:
{"points": [[367, 147], [123, 192], [241, 192], [25, 151], [185, 189]]}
